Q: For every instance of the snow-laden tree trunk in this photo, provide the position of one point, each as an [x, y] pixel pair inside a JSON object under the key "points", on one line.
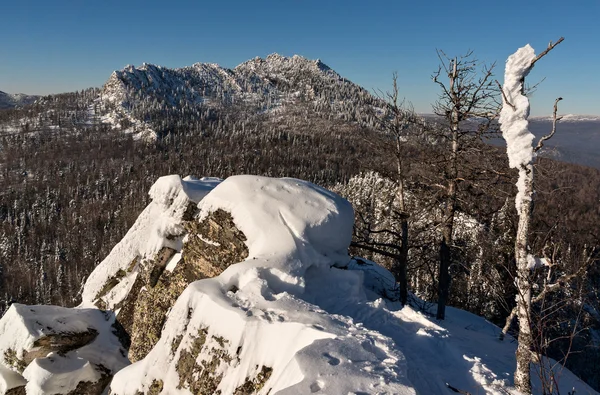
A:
{"points": [[519, 142], [523, 281]]}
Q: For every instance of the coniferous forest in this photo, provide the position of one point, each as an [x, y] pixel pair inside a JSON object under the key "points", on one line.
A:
{"points": [[72, 183]]}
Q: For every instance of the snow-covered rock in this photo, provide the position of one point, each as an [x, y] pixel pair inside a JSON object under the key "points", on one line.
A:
{"points": [[11, 382], [58, 350], [245, 287], [254, 327], [159, 226], [134, 281]]}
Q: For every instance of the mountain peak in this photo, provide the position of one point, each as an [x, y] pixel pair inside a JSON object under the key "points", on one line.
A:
{"points": [[260, 82]]}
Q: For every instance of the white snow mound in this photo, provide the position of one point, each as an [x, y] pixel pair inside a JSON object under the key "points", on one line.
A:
{"points": [[24, 327]]}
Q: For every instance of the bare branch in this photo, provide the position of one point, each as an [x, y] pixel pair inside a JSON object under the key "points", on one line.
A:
{"points": [[375, 250], [504, 97], [549, 288], [540, 144], [550, 48], [529, 90]]}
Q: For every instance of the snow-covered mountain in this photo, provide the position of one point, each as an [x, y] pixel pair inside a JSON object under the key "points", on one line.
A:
{"points": [[8, 100], [577, 138], [568, 118], [136, 93]]}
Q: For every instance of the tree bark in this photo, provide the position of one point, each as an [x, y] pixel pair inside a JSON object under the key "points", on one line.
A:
{"points": [[450, 206], [525, 209], [402, 260]]}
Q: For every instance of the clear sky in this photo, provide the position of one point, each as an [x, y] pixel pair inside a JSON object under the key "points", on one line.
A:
{"points": [[51, 46]]}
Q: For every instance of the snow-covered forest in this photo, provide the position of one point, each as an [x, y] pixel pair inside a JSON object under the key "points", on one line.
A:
{"points": [[76, 168]]}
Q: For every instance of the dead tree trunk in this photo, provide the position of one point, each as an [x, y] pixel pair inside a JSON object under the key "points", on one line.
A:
{"points": [[521, 152], [523, 281], [401, 261], [466, 95], [450, 204]]}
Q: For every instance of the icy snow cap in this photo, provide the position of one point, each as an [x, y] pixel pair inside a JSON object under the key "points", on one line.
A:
{"points": [[286, 216], [513, 120]]}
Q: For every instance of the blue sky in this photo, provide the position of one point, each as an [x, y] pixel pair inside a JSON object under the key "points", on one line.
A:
{"points": [[57, 46]]}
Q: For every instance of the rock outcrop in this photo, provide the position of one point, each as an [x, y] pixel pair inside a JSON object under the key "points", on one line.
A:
{"points": [[229, 312], [210, 247], [183, 250], [212, 292]]}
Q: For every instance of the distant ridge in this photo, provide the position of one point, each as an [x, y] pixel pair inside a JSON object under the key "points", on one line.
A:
{"points": [[8, 100]]}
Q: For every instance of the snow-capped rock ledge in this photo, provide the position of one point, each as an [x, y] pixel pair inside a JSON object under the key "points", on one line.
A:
{"points": [[57, 350], [254, 328]]}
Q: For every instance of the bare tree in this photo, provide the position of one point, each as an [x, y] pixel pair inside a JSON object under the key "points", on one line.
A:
{"points": [[468, 95], [521, 152], [398, 123]]}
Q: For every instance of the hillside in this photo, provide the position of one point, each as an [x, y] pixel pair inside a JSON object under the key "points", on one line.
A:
{"points": [[151, 101]]}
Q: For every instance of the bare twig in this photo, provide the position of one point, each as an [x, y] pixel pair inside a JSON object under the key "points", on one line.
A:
{"points": [[454, 389], [529, 90], [560, 282], [540, 144], [504, 96], [375, 250], [550, 48]]}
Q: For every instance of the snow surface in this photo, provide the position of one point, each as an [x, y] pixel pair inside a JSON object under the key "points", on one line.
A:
{"points": [[161, 218], [22, 325], [296, 305], [10, 379], [56, 374]]}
